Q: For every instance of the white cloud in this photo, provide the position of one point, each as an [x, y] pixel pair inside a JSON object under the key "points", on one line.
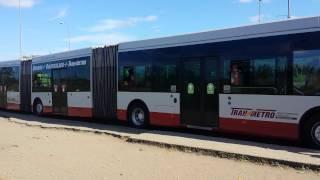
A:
{"points": [[110, 24], [103, 32], [15, 3], [61, 14], [102, 38]]}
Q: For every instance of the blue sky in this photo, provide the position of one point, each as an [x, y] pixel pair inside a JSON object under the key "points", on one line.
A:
{"points": [[48, 26]]}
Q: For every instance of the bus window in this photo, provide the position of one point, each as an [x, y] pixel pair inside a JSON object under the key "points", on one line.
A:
{"points": [[235, 75], [264, 72], [128, 76], [11, 78], [240, 73], [41, 81], [140, 76], [282, 75], [165, 78], [256, 76], [306, 73], [79, 78], [143, 78], [135, 78]]}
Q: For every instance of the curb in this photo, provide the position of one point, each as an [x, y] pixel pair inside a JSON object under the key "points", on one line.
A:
{"points": [[181, 148], [229, 155]]}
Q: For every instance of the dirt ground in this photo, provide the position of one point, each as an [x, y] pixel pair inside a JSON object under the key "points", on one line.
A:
{"points": [[35, 153]]}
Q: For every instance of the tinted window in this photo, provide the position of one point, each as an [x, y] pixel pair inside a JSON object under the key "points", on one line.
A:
{"points": [[41, 81], [264, 72], [256, 76], [306, 73], [10, 78], [140, 76], [192, 70], [240, 73], [127, 77], [165, 78], [135, 78], [282, 75], [211, 70], [74, 72], [79, 78]]}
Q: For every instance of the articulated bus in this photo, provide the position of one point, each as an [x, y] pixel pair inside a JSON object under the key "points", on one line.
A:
{"points": [[261, 80]]}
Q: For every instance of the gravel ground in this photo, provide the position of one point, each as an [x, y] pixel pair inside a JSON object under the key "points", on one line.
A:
{"points": [[35, 153]]}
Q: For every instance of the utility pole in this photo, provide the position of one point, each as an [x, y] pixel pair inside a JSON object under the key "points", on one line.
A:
{"points": [[260, 11], [20, 29], [289, 13]]}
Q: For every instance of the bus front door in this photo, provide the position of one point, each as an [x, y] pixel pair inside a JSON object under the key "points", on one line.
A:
{"points": [[199, 93], [59, 94]]}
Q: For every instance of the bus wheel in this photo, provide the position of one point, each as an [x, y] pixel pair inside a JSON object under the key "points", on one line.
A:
{"points": [[138, 115], [312, 131], [38, 108]]}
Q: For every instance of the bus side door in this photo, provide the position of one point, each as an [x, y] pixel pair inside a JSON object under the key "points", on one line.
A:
{"points": [[59, 94], [199, 93]]}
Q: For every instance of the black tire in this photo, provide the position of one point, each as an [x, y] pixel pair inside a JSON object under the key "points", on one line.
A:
{"points": [[311, 132], [138, 115], [38, 108]]}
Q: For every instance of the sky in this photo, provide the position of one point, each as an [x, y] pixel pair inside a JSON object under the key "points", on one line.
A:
{"points": [[51, 26]]}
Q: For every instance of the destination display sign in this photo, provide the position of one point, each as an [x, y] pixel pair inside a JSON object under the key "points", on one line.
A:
{"points": [[60, 64]]}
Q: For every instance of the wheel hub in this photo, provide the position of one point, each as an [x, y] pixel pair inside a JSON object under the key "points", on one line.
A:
{"points": [[39, 108], [317, 133], [138, 116]]}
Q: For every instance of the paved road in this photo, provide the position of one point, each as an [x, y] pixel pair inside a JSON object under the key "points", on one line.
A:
{"points": [[28, 152]]}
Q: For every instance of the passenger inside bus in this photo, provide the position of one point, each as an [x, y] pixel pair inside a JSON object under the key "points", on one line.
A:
{"points": [[129, 77], [235, 75]]}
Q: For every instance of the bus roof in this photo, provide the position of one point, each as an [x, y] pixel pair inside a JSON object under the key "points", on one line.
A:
{"points": [[63, 55], [292, 26], [10, 63]]}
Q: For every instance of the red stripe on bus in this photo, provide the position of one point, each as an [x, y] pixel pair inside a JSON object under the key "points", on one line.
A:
{"points": [[79, 112], [260, 128], [122, 115], [13, 106], [164, 119], [47, 109]]}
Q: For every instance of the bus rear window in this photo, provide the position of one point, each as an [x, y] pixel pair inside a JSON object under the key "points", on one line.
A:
{"points": [[306, 73]]}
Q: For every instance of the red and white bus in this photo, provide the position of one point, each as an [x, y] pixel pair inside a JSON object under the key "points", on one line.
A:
{"points": [[61, 84], [262, 80]]}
